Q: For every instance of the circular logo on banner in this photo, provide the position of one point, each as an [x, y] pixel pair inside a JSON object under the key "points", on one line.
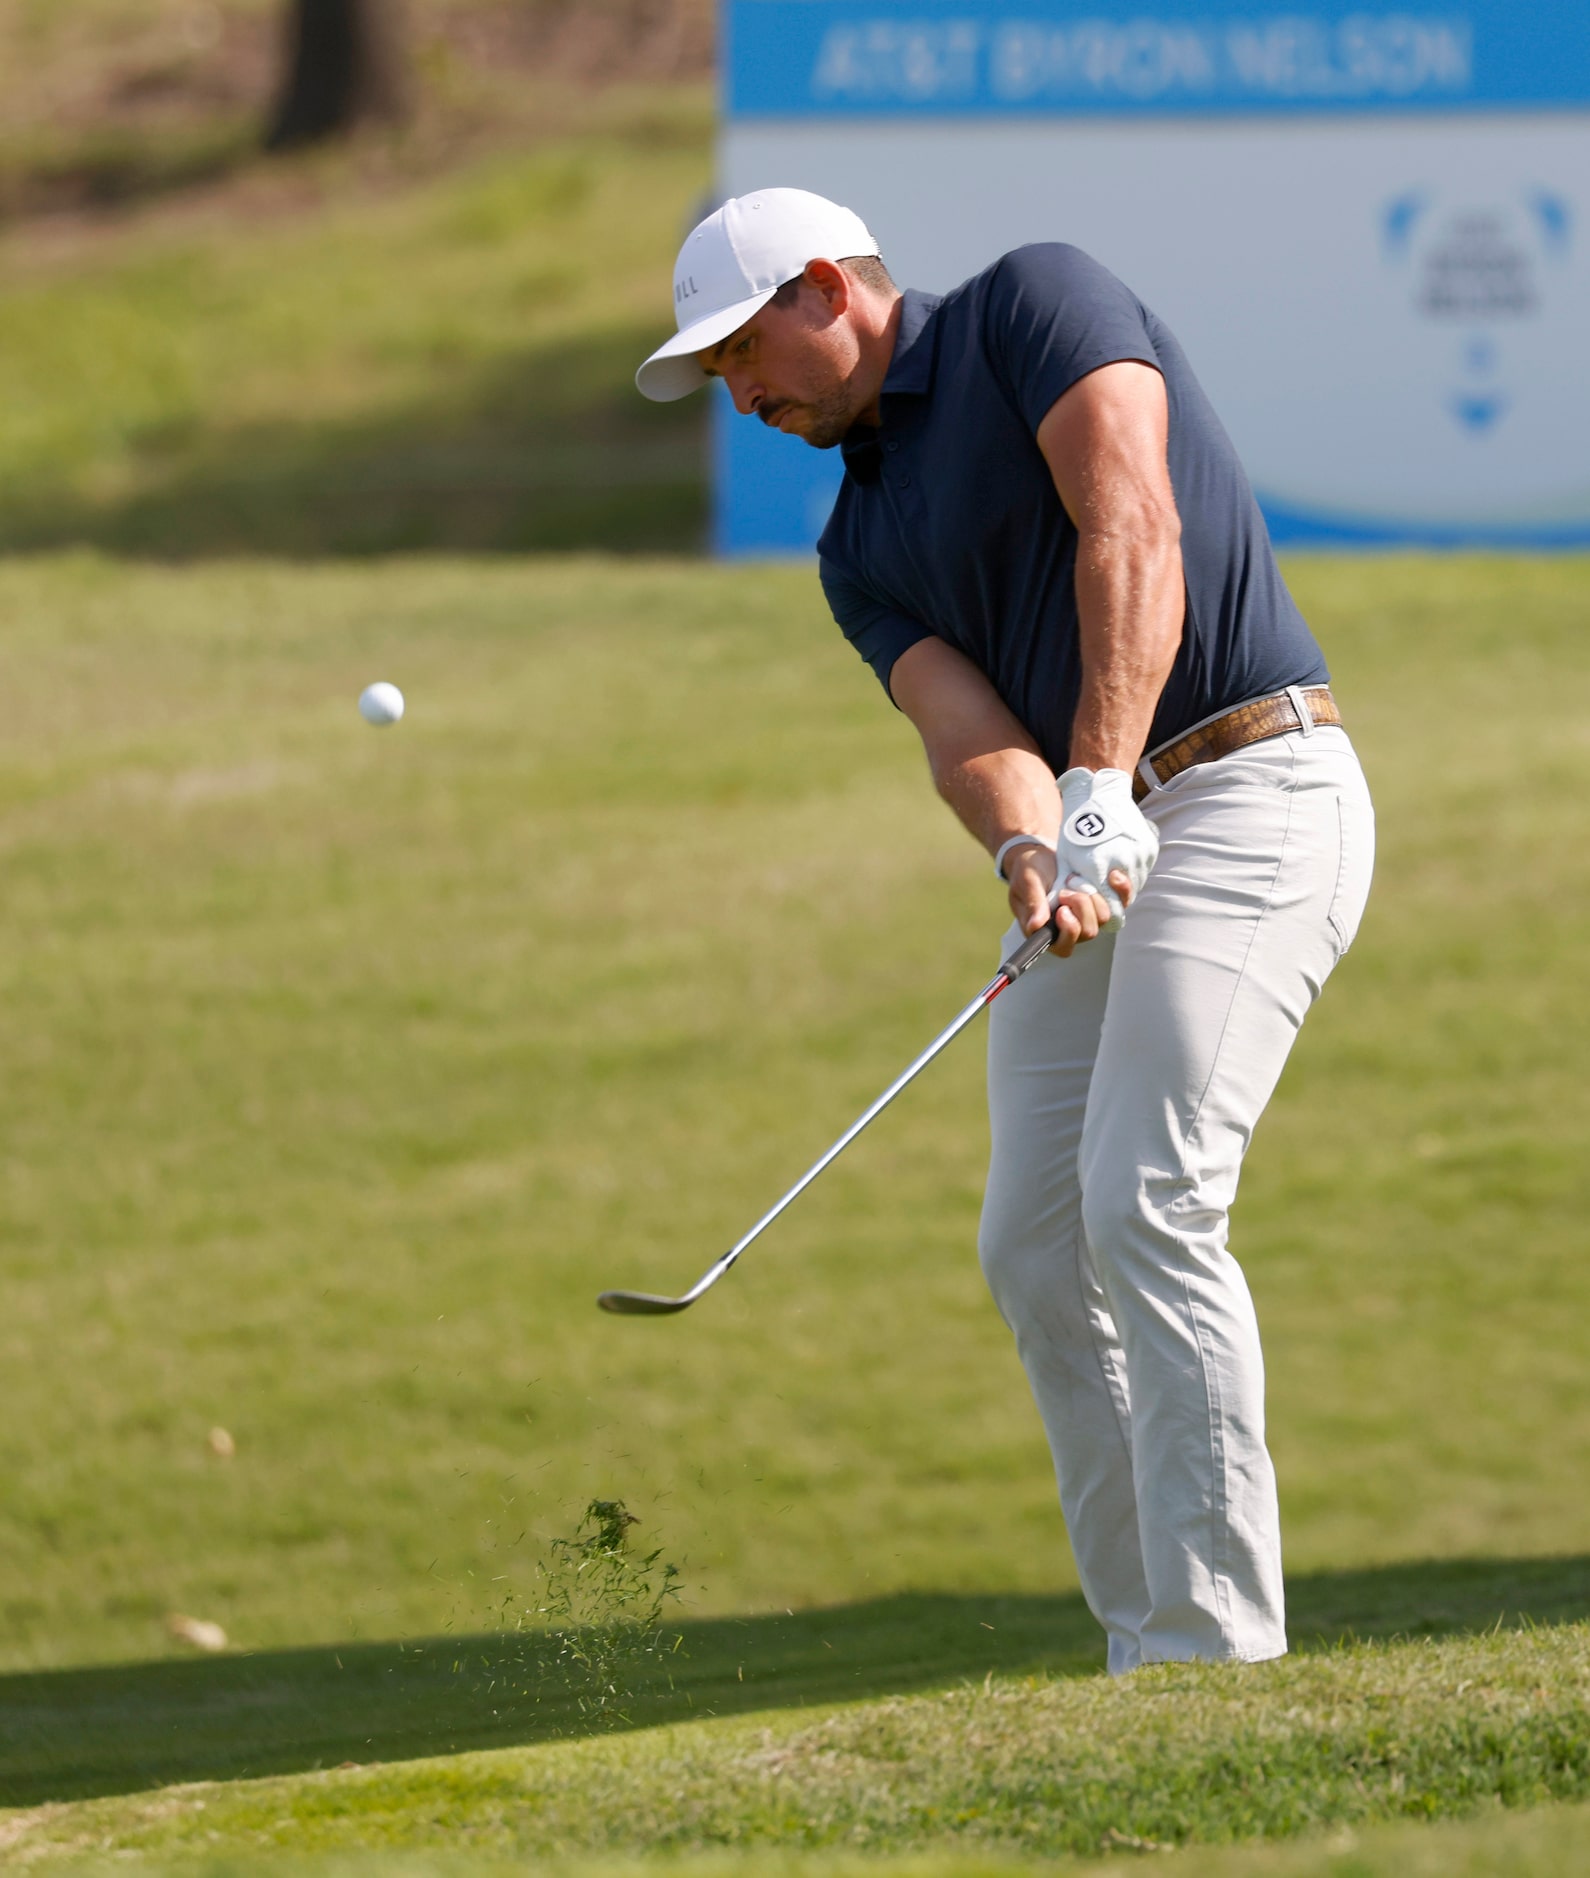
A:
{"points": [[1436, 376], [1479, 273]]}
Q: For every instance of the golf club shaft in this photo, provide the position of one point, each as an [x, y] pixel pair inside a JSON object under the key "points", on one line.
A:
{"points": [[1025, 955], [647, 1304]]}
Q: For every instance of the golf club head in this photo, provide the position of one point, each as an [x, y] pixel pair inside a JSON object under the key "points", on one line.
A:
{"points": [[640, 1304]]}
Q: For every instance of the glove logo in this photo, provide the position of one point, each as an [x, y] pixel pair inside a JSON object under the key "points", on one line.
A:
{"points": [[1090, 826]]}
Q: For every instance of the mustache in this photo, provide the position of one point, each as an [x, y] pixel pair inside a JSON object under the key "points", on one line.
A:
{"points": [[771, 413]]}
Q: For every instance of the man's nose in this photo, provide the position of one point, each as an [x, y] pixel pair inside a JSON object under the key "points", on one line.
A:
{"points": [[747, 395]]}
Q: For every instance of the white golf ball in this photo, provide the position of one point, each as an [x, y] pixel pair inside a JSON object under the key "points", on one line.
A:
{"points": [[381, 703]]}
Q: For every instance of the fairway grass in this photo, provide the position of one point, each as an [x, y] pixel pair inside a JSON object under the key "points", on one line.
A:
{"points": [[346, 1066], [1167, 1757]]}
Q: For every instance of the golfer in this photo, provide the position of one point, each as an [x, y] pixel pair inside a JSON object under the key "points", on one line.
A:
{"points": [[1046, 549]]}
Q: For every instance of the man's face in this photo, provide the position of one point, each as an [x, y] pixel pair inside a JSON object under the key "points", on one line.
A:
{"points": [[793, 367]]}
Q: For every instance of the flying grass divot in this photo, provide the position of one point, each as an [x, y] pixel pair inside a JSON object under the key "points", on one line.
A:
{"points": [[596, 1623]]}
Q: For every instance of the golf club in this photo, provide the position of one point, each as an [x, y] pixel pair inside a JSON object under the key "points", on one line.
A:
{"points": [[644, 1304]]}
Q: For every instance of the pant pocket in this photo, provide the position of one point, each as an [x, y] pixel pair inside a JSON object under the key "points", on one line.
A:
{"points": [[1355, 865]]}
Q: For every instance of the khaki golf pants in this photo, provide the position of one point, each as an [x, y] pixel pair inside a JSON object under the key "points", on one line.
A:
{"points": [[1124, 1085]]}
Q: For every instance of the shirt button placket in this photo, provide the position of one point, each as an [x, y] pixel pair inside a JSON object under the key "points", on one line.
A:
{"points": [[908, 497]]}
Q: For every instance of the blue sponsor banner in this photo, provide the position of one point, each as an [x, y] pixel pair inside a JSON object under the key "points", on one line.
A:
{"points": [[774, 493], [798, 58], [1293, 527]]}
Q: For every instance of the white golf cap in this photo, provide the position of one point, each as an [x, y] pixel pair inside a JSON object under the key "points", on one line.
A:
{"points": [[733, 263]]}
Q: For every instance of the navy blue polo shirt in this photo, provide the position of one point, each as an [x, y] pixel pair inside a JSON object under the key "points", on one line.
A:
{"points": [[948, 521]]}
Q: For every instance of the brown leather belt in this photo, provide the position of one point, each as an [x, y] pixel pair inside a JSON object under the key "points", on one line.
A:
{"points": [[1248, 723]]}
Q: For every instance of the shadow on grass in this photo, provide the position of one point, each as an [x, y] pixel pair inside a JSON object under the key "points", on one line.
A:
{"points": [[552, 448], [71, 1734], [123, 168]]}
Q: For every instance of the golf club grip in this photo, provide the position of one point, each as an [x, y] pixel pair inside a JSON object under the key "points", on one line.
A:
{"points": [[1031, 949]]}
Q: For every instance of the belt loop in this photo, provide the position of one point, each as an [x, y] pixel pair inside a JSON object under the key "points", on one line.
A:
{"points": [[1145, 769], [1305, 717]]}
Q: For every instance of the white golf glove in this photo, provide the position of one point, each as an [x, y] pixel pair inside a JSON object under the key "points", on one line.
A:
{"points": [[1101, 829]]}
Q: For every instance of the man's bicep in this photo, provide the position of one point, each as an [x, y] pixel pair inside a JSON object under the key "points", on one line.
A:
{"points": [[956, 710], [1105, 442]]}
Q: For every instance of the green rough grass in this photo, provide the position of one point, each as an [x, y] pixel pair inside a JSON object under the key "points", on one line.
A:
{"points": [[112, 108], [344, 1068], [1166, 1757], [77, 1733], [446, 364]]}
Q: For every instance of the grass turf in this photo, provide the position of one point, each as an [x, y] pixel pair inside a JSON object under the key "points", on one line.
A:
{"points": [[1044, 1766], [315, 361], [343, 1070], [109, 107], [347, 1066]]}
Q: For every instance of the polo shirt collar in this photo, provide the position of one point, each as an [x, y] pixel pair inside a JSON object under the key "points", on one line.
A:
{"points": [[910, 372], [911, 368]]}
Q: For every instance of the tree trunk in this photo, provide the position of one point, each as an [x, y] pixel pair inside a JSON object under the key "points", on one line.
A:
{"points": [[346, 65]]}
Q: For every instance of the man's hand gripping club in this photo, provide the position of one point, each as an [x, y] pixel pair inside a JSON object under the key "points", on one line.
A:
{"points": [[1104, 852]]}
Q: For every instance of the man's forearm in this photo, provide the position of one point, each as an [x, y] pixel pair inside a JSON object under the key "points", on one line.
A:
{"points": [[1000, 793], [988, 767], [985, 762], [1131, 602], [1106, 442]]}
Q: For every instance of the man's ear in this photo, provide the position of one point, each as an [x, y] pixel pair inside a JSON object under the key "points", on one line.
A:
{"points": [[830, 280]]}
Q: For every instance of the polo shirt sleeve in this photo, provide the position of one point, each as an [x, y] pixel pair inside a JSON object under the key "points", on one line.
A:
{"points": [[878, 632], [1053, 315]]}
